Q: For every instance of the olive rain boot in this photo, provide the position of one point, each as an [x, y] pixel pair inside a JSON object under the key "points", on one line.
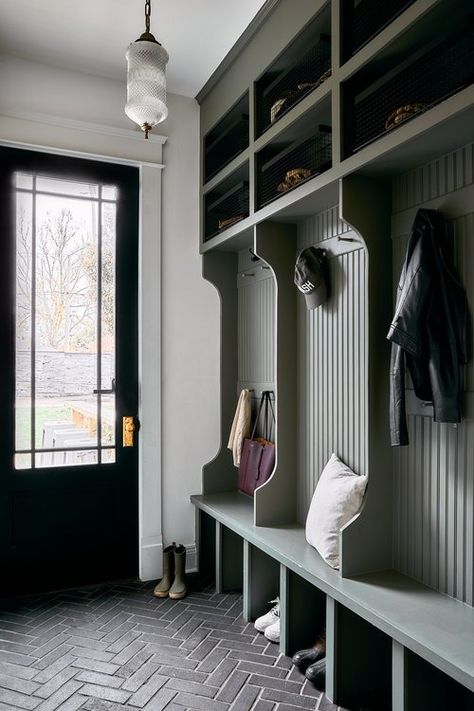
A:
{"points": [[178, 589], [163, 587]]}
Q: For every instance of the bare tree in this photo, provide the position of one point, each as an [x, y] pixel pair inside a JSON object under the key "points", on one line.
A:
{"points": [[61, 290]]}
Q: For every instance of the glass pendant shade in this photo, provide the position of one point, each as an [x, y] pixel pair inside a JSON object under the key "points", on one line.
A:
{"points": [[146, 83]]}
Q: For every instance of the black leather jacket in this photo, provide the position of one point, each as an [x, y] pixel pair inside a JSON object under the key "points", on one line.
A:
{"points": [[428, 331]]}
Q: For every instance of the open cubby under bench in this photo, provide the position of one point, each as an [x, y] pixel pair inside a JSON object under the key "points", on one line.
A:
{"points": [[396, 615]]}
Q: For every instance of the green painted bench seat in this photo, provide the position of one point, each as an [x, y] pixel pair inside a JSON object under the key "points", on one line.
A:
{"points": [[437, 628]]}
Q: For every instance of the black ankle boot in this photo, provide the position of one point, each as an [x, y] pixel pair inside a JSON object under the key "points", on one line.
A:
{"points": [[304, 658], [316, 673]]}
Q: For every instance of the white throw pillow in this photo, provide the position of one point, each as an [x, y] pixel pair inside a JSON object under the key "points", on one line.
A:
{"points": [[337, 498]]}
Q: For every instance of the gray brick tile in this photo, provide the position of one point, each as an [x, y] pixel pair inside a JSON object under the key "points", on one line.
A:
{"points": [[310, 690], [14, 699], [212, 660], [199, 702], [284, 662], [22, 659], [148, 690], [54, 655], [161, 701], [90, 677], [251, 657], [245, 699], [283, 697], [96, 654], [272, 683], [195, 639], [128, 652], [55, 683], [117, 648], [72, 704], [15, 684], [106, 693], [267, 670], [19, 637], [95, 665], [225, 668], [188, 628], [134, 663], [17, 671], [168, 640], [232, 686], [123, 641], [118, 632], [52, 703], [92, 704], [262, 705], [203, 650], [134, 682], [47, 635], [242, 646], [295, 675], [193, 687], [153, 626]]}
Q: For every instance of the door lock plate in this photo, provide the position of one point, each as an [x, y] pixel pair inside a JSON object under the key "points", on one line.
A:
{"points": [[128, 431]]}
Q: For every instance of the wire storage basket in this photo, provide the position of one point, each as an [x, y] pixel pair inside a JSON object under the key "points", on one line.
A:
{"points": [[293, 165], [225, 206], [365, 19], [277, 91], [228, 138], [435, 74]]}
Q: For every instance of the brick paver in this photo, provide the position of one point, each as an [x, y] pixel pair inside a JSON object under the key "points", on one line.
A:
{"points": [[118, 648]]}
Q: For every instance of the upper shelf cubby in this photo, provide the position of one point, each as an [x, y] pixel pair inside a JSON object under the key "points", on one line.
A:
{"points": [[362, 20], [228, 138], [296, 155], [227, 203], [416, 75], [303, 66]]}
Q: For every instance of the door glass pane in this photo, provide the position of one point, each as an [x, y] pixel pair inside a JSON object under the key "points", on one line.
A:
{"points": [[24, 277], [67, 458], [65, 324], [108, 321], [66, 187]]}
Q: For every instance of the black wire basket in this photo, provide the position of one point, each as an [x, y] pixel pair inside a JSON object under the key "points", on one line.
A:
{"points": [[293, 165], [438, 72], [364, 20], [278, 92], [227, 139], [226, 209]]}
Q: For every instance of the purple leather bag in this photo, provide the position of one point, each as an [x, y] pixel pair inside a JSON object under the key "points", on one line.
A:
{"points": [[257, 459]]}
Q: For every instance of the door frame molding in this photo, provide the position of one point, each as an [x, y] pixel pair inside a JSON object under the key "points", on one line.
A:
{"points": [[60, 136]]}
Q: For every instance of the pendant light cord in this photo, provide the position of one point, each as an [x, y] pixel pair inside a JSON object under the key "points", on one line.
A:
{"points": [[147, 15]]}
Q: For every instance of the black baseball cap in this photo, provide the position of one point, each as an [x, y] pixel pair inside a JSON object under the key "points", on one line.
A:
{"points": [[311, 276]]}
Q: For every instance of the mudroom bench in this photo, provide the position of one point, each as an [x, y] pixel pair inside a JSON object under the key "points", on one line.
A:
{"points": [[386, 633]]}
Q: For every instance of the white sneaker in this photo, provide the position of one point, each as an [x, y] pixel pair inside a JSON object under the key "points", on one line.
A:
{"points": [[272, 633], [261, 623]]}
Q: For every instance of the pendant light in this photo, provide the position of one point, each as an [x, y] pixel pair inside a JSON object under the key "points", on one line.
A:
{"points": [[146, 79]]}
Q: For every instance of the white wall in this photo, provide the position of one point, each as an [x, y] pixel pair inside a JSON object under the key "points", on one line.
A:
{"points": [[189, 358]]}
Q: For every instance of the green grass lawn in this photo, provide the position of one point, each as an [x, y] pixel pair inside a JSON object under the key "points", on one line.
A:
{"points": [[43, 414]]}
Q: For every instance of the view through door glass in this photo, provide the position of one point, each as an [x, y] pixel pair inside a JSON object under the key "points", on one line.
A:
{"points": [[65, 322], [69, 362]]}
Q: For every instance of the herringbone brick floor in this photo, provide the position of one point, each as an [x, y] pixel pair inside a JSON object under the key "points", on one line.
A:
{"points": [[116, 647]]}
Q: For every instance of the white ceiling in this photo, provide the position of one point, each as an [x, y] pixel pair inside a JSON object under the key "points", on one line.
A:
{"points": [[92, 35]]}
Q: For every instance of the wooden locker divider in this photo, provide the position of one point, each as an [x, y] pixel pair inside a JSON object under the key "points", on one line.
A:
{"points": [[220, 268], [275, 501], [366, 541]]}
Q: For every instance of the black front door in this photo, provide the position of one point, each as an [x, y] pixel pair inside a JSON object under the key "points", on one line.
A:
{"points": [[69, 334]]}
